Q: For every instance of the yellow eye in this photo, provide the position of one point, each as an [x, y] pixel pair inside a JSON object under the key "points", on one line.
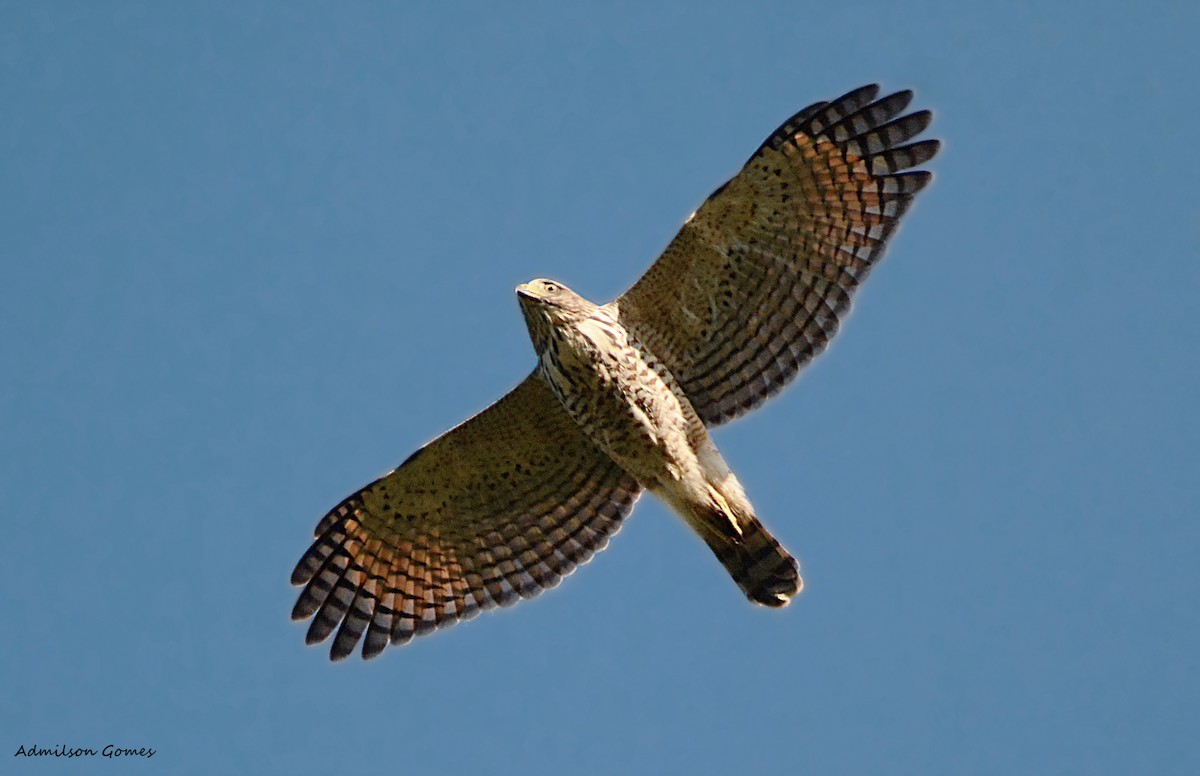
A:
{"points": [[551, 287]]}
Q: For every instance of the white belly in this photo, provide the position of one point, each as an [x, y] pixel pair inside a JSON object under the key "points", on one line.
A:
{"points": [[622, 403]]}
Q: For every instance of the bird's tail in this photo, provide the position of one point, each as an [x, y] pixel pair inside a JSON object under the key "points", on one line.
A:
{"points": [[764, 571]]}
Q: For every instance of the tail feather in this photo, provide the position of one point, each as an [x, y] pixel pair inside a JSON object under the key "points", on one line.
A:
{"points": [[764, 571]]}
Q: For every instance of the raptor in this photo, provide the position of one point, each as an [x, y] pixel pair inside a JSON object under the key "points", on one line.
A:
{"points": [[753, 286]]}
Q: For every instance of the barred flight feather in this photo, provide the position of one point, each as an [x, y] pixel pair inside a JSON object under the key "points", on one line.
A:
{"points": [[775, 255], [496, 510]]}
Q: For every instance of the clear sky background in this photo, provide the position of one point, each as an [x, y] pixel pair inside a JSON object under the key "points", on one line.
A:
{"points": [[252, 255]]}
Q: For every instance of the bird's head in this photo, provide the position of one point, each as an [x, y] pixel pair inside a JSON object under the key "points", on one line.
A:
{"points": [[553, 299], [549, 306]]}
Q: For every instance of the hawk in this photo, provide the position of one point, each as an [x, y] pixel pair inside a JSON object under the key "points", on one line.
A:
{"points": [[751, 289]]}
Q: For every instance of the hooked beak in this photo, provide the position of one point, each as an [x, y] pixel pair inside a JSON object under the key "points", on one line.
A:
{"points": [[524, 290]]}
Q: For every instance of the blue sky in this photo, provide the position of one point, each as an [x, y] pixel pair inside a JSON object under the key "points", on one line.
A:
{"points": [[237, 240]]}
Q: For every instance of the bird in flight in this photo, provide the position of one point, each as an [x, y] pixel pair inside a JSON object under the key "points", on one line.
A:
{"points": [[752, 287]]}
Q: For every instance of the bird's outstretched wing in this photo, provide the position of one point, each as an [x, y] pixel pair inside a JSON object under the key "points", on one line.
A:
{"points": [[755, 283], [495, 510]]}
